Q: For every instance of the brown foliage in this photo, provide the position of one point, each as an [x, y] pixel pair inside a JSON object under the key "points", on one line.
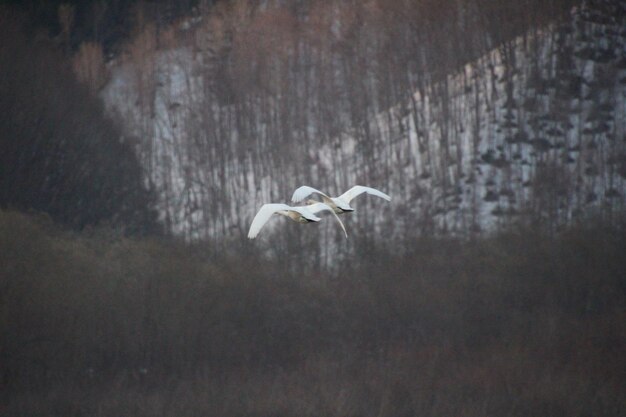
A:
{"points": [[89, 66], [60, 153], [519, 324]]}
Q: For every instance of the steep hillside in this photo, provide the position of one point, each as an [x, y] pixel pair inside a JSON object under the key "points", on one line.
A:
{"points": [[537, 128], [534, 131]]}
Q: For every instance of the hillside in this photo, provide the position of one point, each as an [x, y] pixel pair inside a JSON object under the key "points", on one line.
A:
{"points": [[534, 131]]}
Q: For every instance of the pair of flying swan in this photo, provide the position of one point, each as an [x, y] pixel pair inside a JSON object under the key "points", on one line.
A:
{"points": [[306, 214]]}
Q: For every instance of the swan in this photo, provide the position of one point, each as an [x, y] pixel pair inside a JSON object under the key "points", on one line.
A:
{"points": [[302, 214], [339, 204], [297, 214]]}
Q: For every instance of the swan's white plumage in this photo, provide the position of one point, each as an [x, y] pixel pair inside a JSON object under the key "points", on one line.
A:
{"points": [[267, 210], [339, 204], [302, 214], [303, 192], [359, 189], [317, 207]]}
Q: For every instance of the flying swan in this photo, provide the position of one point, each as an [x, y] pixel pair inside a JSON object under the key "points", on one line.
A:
{"points": [[339, 204], [302, 214]]}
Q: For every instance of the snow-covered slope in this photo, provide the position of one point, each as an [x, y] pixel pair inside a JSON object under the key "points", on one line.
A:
{"points": [[538, 125], [535, 128]]}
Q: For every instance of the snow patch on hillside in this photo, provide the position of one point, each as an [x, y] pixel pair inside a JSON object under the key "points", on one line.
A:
{"points": [[536, 125]]}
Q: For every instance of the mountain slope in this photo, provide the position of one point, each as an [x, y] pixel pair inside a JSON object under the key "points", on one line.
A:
{"points": [[536, 127], [534, 130]]}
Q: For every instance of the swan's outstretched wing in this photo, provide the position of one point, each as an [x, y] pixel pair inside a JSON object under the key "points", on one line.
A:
{"points": [[266, 212], [317, 207], [303, 192], [359, 189], [262, 216], [305, 212]]}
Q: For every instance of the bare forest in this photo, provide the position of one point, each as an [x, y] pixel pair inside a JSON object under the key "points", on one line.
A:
{"points": [[138, 139], [475, 126]]}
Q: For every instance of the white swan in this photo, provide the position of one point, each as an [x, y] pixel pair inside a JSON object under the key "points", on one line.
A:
{"points": [[317, 207], [302, 214], [339, 204]]}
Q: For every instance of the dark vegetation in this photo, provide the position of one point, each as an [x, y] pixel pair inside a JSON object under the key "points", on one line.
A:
{"points": [[518, 324], [106, 22], [60, 153], [111, 22]]}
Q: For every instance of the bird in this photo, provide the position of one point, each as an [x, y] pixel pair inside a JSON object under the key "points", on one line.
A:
{"points": [[301, 214], [317, 207], [339, 204]]}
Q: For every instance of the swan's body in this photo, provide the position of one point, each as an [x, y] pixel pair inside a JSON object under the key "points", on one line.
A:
{"points": [[302, 214], [317, 207], [297, 214], [339, 204]]}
